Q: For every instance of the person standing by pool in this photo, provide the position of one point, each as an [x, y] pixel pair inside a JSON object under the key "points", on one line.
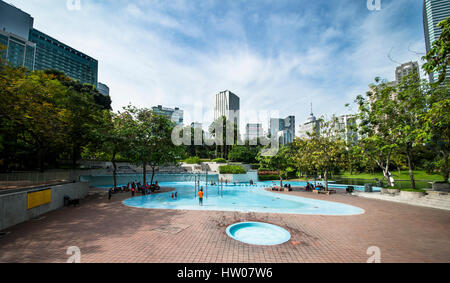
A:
{"points": [[200, 197], [132, 192]]}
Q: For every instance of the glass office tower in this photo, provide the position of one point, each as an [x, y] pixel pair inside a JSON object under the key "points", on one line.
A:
{"points": [[53, 54], [434, 11]]}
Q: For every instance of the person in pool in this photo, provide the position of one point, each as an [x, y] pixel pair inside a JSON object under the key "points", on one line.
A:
{"points": [[200, 197]]}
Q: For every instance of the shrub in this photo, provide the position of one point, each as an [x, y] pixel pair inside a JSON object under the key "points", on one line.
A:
{"points": [[193, 160], [232, 169], [256, 166], [219, 160], [268, 177]]}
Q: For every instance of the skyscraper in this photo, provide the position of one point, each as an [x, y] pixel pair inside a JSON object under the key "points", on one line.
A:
{"points": [[53, 54], [175, 115], [103, 89], [28, 47], [405, 69], [283, 127], [253, 131], [15, 26], [434, 11], [227, 104]]}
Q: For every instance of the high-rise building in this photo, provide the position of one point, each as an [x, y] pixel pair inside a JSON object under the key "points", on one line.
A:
{"points": [[227, 104], [253, 131], [175, 115], [15, 26], [405, 69], [28, 47], [345, 128], [103, 89], [53, 54], [310, 127], [434, 11], [285, 128]]}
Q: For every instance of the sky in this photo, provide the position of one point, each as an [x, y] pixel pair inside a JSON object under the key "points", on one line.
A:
{"points": [[278, 56]]}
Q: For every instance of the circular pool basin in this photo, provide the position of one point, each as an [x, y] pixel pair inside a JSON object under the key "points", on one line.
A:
{"points": [[257, 233]]}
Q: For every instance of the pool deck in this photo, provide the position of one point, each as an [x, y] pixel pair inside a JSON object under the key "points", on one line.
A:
{"points": [[109, 231]]}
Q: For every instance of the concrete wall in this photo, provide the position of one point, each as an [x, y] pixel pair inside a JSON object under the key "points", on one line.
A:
{"points": [[13, 207]]}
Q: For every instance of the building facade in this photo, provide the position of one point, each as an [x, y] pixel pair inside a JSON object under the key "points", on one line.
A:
{"points": [[175, 115], [103, 89], [15, 26], [28, 47], [254, 131], [53, 54], [284, 128], [345, 127], [310, 127], [434, 11], [227, 104], [405, 69]]}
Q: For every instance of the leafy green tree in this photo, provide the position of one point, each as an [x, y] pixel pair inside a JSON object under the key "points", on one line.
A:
{"points": [[114, 137], [436, 125], [242, 153], [278, 160], [411, 104], [378, 113], [326, 150], [438, 57], [152, 145], [219, 129]]}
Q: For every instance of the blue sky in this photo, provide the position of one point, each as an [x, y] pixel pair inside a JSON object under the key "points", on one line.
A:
{"points": [[276, 55]]}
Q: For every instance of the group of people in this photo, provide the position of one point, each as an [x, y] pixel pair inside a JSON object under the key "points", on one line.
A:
{"points": [[134, 187], [310, 187]]}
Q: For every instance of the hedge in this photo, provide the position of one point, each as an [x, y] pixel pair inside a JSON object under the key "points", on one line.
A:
{"points": [[232, 169], [268, 177], [193, 160], [219, 160]]}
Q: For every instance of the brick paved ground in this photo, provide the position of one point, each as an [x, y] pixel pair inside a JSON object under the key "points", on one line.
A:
{"points": [[108, 231]]}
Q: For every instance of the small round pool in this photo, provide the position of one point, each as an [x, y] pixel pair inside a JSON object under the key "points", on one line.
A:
{"points": [[257, 233]]}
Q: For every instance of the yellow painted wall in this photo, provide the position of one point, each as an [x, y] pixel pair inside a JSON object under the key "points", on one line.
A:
{"points": [[39, 198]]}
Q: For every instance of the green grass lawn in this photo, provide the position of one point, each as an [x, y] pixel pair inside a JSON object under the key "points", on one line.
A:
{"points": [[404, 175]]}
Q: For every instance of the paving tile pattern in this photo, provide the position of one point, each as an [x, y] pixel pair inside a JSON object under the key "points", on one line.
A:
{"points": [[108, 231]]}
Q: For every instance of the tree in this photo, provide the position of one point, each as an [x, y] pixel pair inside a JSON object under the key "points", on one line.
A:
{"points": [[438, 57], [436, 125], [411, 105], [242, 153], [222, 129], [278, 160], [326, 150], [114, 137], [378, 114], [152, 145]]}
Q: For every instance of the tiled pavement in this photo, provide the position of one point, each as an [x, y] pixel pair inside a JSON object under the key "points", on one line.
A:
{"points": [[108, 231]]}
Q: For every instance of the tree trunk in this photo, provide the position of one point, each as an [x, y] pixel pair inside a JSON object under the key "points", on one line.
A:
{"points": [[410, 167], [326, 179], [281, 179], [153, 174], [113, 160], [144, 172]]}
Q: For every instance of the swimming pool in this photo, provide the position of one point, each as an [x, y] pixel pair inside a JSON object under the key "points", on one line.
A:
{"points": [[239, 198]]}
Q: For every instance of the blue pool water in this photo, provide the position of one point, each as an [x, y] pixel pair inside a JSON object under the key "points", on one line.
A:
{"points": [[257, 233], [239, 198]]}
